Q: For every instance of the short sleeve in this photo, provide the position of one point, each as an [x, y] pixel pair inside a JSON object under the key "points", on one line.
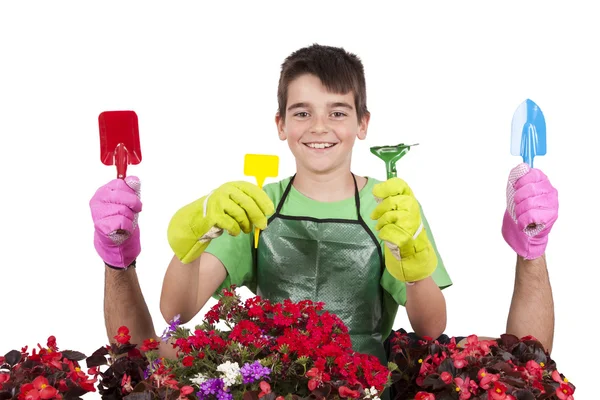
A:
{"points": [[235, 252]]}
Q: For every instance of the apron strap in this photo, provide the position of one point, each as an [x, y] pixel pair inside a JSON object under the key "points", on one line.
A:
{"points": [[283, 197]]}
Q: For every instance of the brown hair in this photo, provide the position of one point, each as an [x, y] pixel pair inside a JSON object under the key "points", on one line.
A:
{"points": [[339, 71]]}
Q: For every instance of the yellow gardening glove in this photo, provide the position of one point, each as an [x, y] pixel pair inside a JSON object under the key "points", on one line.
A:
{"points": [[233, 207], [409, 255]]}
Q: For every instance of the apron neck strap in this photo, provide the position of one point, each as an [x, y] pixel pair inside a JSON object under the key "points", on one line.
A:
{"points": [[289, 187]]}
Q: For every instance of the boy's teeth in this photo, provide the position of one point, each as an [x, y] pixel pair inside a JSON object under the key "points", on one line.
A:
{"points": [[319, 145]]}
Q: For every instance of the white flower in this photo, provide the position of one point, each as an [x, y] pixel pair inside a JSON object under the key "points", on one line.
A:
{"points": [[231, 373], [198, 380], [371, 393]]}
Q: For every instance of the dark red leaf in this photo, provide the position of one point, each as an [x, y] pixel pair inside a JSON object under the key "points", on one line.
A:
{"points": [[139, 396], [250, 395], [322, 391], [12, 357], [123, 348], [96, 360], [73, 355], [524, 395], [508, 341]]}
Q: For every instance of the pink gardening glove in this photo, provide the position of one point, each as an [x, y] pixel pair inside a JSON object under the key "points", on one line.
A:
{"points": [[532, 209], [115, 207]]}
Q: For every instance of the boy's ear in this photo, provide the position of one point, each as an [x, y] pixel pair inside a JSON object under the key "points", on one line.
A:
{"points": [[280, 122], [362, 127]]}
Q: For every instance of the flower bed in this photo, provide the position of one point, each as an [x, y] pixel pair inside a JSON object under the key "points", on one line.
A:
{"points": [[507, 368], [287, 350]]}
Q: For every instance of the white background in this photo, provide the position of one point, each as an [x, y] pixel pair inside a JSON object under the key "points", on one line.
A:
{"points": [[203, 81]]}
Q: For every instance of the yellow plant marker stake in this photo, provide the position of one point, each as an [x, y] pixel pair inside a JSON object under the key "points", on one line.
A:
{"points": [[260, 166]]}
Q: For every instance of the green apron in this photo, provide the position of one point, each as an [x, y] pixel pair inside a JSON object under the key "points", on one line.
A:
{"points": [[335, 261]]}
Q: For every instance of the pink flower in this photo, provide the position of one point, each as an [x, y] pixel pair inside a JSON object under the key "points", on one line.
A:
{"points": [[486, 378], [534, 369], [463, 387], [446, 377]]}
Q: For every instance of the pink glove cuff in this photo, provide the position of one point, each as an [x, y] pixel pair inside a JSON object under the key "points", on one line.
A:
{"points": [[115, 255], [527, 247]]}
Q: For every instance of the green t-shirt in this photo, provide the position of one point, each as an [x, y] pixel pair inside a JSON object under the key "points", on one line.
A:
{"points": [[236, 252]]}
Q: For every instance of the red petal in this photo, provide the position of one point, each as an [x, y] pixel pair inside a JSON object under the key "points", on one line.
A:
{"points": [[39, 381], [265, 387], [48, 393], [185, 390]]}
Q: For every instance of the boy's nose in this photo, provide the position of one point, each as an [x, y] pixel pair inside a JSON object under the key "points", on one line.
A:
{"points": [[319, 126]]}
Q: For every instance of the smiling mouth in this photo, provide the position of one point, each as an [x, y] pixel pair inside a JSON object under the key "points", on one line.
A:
{"points": [[320, 145]]}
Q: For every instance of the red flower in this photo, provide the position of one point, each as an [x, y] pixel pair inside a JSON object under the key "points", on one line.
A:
{"points": [[346, 392], [245, 332], [497, 392], [212, 316], [424, 396], [43, 387], [446, 377], [316, 378], [185, 391], [149, 344], [126, 384], [123, 336], [265, 389], [62, 386], [187, 361], [565, 392], [28, 392]]}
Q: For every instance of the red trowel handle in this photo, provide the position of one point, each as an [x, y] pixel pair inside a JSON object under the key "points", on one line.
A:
{"points": [[121, 160]]}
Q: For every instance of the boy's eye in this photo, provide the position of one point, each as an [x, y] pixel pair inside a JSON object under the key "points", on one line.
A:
{"points": [[301, 114], [338, 114]]}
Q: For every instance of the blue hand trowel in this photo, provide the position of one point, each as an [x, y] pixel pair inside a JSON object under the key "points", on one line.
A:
{"points": [[528, 133]]}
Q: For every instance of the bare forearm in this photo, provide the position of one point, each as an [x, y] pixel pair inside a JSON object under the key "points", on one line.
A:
{"points": [[180, 290], [124, 305], [187, 287], [532, 306], [426, 308]]}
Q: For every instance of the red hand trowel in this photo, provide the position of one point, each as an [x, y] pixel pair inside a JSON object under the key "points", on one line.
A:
{"points": [[119, 140]]}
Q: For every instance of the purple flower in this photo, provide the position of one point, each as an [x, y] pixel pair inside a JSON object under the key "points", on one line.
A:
{"points": [[173, 325], [151, 368], [253, 372], [213, 388]]}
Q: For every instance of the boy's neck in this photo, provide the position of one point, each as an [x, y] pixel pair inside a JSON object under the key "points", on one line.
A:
{"points": [[328, 187]]}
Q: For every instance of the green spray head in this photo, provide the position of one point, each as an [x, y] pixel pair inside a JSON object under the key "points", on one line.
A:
{"points": [[390, 155]]}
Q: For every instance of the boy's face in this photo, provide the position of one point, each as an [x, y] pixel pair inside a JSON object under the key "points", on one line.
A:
{"points": [[320, 127]]}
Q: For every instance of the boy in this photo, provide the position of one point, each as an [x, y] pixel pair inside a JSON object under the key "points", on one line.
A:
{"points": [[327, 238], [531, 199]]}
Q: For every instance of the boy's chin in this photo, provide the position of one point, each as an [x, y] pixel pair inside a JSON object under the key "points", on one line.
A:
{"points": [[321, 167]]}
